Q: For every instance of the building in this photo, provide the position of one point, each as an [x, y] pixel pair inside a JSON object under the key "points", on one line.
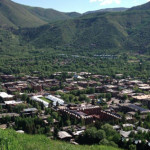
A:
{"points": [[144, 99], [55, 100], [29, 112], [6, 96], [90, 114], [63, 135], [13, 102], [38, 99], [128, 107], [11, 115]]}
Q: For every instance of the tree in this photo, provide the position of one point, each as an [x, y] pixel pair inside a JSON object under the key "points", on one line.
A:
{"points": [[116, 137], [148, 117], [56, 132], [123, 118], [68, 122], [91, 134], [0, 107], [24, 97], [50, 120], [101, 134], [104, 142], [108, 96], [1, 99], [125, 97], [55, 115], [132, 147]]}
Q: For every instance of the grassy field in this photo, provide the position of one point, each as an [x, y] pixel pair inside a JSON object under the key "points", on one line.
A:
{"points": [[10, 140], [45, 99]]}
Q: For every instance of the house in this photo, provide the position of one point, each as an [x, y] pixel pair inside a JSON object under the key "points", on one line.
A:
{"points": [[6, 96], [135, 82], [93, 83], [144, 87], [127, 107], [29, 112], [69, 80], [131, 114], [125, 134], [7, 77], [83, 83], [37, 87], [128, 125], [116, 127], [144, 99], [78, 77], [3, 126], [77, 133], [63, 135], [13, 102], [142, 129], [11, 115]]}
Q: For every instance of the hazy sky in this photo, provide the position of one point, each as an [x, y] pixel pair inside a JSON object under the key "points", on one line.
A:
{"points": [[81, 5]]}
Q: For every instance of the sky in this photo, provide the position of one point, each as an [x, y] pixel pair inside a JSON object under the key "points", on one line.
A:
{"points": [[81, 5]]}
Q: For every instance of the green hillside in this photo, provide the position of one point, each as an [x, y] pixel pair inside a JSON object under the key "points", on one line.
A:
{"points": [[51, 15], [124, 31], [142, 7], [10, 140], [127, 30], [13, 14], [16, 15]]}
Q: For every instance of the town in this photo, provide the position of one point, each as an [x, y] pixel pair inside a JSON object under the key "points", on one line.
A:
{"points": [[69, 106]]}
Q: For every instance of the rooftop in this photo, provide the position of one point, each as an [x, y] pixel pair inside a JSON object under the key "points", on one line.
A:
{"points": [[63, 134], [5, 95], [142, 97]]}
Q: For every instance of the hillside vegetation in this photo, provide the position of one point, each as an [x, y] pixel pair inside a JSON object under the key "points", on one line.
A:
{"points": [[16, 15], [129, 31], [51, 15], [10, 140], [104, 43], [125, 31], [13, 14]]}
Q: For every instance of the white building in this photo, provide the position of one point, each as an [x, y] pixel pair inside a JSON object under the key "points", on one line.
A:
{"points": [[38, 99], [55, 100], [4, 95], [13, 102]]}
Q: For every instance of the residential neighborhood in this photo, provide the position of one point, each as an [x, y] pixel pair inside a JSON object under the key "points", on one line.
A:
{"points": [[75, 101]]}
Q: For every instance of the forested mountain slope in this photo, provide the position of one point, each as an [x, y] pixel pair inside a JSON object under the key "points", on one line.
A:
{"points": [[13, 14], [129, 30], [16, 15], [51, 15]]}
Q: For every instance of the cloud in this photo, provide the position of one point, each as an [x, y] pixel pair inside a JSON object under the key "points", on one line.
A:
{"points": [[106, 2]]}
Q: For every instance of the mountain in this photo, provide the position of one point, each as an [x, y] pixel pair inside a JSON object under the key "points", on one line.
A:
{"points": [[51, 15], [120, 9], [128, 30], [16, 15], [73, 14], [142, 7]]}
